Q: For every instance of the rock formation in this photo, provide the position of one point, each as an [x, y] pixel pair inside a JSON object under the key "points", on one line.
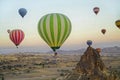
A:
{"points": [[91, 67]]}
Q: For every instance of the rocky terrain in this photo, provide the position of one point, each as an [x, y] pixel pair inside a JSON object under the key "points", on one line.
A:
{"points": [[74, 66], [92, 67]]}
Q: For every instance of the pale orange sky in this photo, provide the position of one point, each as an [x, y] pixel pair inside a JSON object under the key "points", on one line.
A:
{"points": [[85, 24]]}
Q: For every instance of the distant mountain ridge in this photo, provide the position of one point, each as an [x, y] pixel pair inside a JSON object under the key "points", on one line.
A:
{"points": [[114, 49], [111, 50]]}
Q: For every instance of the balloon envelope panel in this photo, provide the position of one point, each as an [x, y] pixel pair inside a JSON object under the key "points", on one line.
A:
{"points": [[118, 23], [89, 42], [16, 36], [22, 12], [96, 10], [54, 29]]}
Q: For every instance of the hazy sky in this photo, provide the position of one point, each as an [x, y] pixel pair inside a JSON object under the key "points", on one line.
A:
{"points": [[85, 24]]}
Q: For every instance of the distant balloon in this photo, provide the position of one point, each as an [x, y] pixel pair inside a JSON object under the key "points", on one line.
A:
{"points": [[16, 36], [96, 10], [89, 42], [103, 31], [55, 54], [118, 23], [98, 50], [54, 29], [8, 30], [22, 12]]}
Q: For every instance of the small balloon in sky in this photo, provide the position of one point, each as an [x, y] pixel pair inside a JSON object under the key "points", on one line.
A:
{"points": [[89, 42], [103, 31], [117, 23], [16, 36], [98, 50], [96, 10], [22, 12], [8, 30]]}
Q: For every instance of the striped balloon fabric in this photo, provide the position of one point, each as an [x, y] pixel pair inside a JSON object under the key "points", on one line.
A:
{"points": [[54, 29], [16, 36]]}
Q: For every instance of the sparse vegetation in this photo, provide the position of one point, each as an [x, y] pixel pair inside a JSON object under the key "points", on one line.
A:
{"points": [[23, 66]]}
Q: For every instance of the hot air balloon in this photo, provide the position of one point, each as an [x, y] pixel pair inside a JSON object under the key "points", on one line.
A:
{"points": [[96, 10], [16, 36], [54, 29], [89, 43], [98, 50], [22, 12], [8, 30], [103, 31], [118, 23]]}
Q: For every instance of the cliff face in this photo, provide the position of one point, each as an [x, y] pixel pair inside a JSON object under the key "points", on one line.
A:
{"points": [[91, 67], [90, 63]]}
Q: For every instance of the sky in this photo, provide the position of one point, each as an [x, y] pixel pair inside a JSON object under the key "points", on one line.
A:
{"points": [[85, 24]]}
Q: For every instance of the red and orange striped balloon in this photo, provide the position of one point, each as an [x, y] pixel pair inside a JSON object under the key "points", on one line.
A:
{"points": [[16, 36]]}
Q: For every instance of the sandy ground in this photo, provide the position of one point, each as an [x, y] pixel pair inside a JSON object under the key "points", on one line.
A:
{"points": [[40, 74], [67, 62]]}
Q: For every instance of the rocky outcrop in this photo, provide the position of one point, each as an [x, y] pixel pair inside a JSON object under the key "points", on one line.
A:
{"points": [[91, 67], [90, 63]]}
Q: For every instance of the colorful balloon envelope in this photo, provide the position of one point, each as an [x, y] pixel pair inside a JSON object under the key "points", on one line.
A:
{"points": [[118, 23], [16, 36], [98, 50], [22, 12], [96, 10], [89, 42], [54, 29], [103, 31]]}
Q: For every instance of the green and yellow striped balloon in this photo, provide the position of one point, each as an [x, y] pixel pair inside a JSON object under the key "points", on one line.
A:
{"points": [[54, 29]]}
